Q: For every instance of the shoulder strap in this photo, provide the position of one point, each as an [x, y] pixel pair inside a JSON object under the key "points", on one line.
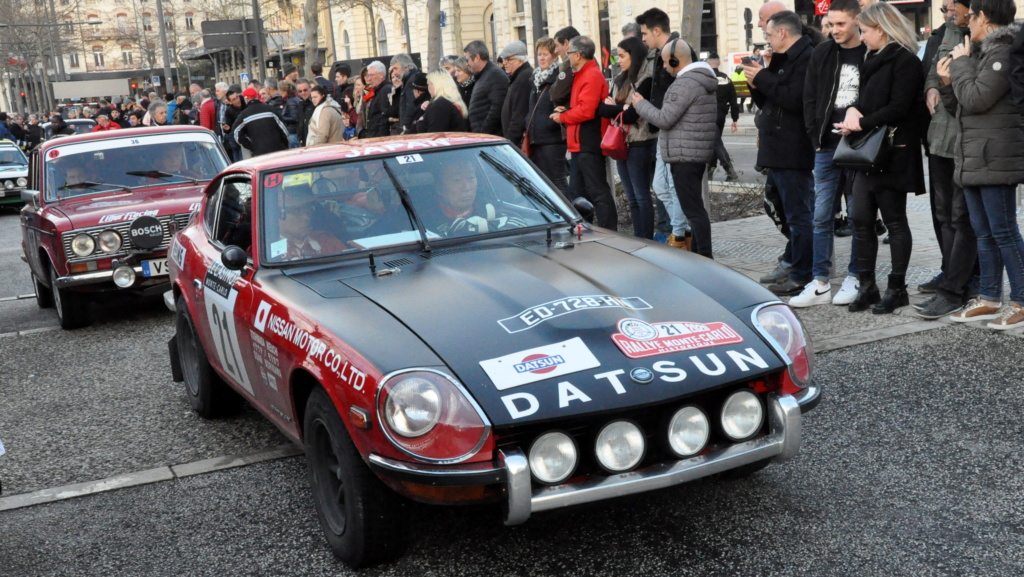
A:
{"points": [[535, 105]]}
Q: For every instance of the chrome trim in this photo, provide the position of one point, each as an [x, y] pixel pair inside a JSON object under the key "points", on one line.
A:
{"points": [[467, 474], [472, 402], [764, 333], [121, 228], [517, 485], [808, 398], [781, 443], [98, 277]]}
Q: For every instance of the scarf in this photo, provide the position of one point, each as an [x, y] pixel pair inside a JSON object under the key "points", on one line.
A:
{"points": [[540, 75]]}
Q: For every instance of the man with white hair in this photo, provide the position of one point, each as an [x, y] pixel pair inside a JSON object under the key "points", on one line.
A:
{"points": [[405, 68], [377, 110]]}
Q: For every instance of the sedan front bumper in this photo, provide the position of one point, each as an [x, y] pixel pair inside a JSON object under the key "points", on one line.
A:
{"points": [[522, 500]]}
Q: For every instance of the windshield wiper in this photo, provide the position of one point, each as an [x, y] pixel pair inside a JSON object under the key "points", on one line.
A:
{"points": [[161, 174], [404, 195], [6, 162], [527, 187], [90, 184]]}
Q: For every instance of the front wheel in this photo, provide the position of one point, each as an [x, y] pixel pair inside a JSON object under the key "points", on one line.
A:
{"points": [[72, 312], [44, 298], [208, 394], [360, 517]]}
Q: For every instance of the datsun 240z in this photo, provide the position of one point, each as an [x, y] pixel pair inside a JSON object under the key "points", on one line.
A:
{"points": [[427, 316]]}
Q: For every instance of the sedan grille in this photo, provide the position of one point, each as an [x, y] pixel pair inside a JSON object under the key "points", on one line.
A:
{"points": [[121, 228]]}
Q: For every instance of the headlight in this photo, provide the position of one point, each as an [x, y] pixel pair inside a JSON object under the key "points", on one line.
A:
{"points": [[124, 276], [83, 244], [742, 415], [688, 431], [428, 415], [785, 333], [553, 457], [620, 446], [413, 407], [22, 181], [110, 241], [8, 184]]}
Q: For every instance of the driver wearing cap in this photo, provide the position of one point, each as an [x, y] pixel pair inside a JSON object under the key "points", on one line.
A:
{"points": [[299, 238], [462, 211]]}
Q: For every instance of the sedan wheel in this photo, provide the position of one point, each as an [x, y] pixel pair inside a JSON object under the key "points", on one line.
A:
{"points": [[360, 517], [44, 298], [71, 308]]}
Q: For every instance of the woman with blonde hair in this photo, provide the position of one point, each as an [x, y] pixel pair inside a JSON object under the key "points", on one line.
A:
{"points": [[464, 78], [891, 98], [446, 111]]}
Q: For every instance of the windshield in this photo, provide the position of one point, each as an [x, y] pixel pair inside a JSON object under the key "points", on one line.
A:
{"points": [[358, 205], [10, 155], [129, 162]]}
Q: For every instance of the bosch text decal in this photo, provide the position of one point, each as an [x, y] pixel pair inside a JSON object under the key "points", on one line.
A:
{"points": [[535, 315], [537, 364], [638, 339]]}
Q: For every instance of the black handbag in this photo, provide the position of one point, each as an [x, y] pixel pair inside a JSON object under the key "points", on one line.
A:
{"points": [[868, 150]]}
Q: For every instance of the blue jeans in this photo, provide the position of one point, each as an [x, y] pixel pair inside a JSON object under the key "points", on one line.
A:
{"points": [[993, 214], [635, 173], [665, 190], [827, 180], [293, 140], [796, 187]]}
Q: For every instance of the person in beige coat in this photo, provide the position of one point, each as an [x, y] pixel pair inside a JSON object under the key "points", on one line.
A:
{"points": [[326, 124]]}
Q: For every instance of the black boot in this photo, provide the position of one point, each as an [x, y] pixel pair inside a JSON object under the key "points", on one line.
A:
{"points": [[867, 294], [895, 296]]}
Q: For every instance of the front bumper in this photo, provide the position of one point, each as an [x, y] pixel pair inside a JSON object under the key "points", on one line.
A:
{"points": [[522, 500], [106, 276]]}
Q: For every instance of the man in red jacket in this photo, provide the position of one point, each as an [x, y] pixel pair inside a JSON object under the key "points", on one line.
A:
{"points": [[103, 123], [584, 130], [207, 111]]}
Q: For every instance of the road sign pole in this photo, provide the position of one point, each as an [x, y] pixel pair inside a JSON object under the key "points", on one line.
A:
{"points": [[259, 38], [247, 46], [163, 45]]}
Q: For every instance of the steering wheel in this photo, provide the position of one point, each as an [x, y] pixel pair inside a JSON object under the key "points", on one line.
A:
{"points": [[324, 187]]}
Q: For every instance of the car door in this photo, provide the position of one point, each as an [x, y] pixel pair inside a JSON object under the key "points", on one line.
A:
{"points": [[32, 231]]}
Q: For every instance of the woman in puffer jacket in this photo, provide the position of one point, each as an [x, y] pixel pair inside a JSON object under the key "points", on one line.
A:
{"points": [[637, 170], [989, 156]]}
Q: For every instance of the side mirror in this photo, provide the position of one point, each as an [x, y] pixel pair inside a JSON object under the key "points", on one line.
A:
{"points": [[234, 257], [30, 197], [584, 207]]}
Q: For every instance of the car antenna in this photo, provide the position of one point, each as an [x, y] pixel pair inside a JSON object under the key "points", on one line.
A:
{"points": [[373, 265]]}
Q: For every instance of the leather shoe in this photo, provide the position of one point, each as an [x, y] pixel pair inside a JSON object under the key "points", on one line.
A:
{"points": [[787, 287], [895, 297], [867, 295]]}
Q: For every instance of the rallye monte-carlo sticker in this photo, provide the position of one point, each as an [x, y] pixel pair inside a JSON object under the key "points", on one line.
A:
{"points": [[537, 314], [220, 297], [537, 364], [638, 339]]}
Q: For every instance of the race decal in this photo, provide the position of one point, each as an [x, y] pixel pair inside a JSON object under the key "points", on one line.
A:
{"points": [[118, 217], [540, 363], [273, 180], [535, 315], [409, 158], [220, 297], [638, 339], [178, 254]]}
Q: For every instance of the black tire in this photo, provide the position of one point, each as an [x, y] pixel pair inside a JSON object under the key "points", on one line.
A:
{"points": [[72, 312], [44, 298], [360, 517], [208, 394]]}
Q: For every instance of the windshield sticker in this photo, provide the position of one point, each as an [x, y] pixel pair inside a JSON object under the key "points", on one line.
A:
{"points": [[278, 248], [535, 315], [118, 217], [540, 363], [409, 159], [638, 339], [273, 180]]}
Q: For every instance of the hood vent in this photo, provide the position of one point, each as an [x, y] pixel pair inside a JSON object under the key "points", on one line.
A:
{"points": [[458, 249]]}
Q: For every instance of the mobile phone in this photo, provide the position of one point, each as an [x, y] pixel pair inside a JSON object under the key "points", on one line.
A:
{"points": [[746, 61], [836, 131]]}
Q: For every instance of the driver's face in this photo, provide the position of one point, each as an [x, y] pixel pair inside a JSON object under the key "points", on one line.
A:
{"points": [[297, 219], [169, 162], [75, 174], [458, 190]]}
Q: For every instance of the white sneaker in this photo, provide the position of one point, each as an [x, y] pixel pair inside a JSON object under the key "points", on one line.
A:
{"points": [[847, 292], [815, 293]]}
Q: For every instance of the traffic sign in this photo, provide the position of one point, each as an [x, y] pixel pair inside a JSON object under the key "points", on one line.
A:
{"points": [[156, 81], [244, 78]]}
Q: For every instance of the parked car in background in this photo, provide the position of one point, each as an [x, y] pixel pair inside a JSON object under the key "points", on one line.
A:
{"points": [[13, 172], [80, 125], [101, 209], [428, 316]]}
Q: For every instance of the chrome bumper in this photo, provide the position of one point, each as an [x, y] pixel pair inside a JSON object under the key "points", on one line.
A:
{"points": [[95, 277], [809, 397], [781, 443]]}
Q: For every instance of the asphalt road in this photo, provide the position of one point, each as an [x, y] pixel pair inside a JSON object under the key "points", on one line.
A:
{"points": [[912, 465]]}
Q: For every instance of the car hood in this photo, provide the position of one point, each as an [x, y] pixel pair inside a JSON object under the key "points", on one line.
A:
{"points": [[534, 333], [126, 207], [13, 170]]}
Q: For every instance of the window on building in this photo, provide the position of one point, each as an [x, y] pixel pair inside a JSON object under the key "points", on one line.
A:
{"points": [[169, 21], [122, 23], [147, 22], [382, 39], [520, 6], [348, 47], [126, 55], [73, 60], [68, 27], [189, 22], [97, 55], [151, 54], [521, 35]]}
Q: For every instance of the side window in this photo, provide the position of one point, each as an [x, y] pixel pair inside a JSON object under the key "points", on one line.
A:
{"points": [[234, 217], [210, 212]]}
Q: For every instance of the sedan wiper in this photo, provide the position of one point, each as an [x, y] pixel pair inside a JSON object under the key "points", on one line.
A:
{"points": [[161, 174], [91, 184], [6, 162], [526, 186]]}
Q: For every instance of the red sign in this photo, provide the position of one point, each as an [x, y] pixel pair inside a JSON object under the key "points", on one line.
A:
{"points": [[821, 7], [638, 339]]}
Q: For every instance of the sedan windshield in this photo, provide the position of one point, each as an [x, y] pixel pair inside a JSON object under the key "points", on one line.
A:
{"points": [[126, 163], [363, 204], [10, 155]]}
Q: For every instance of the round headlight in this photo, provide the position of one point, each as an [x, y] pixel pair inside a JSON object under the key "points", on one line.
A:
{"points": [[83, 244], [742, 415], [22, 181], [779, 328], [620, 446], [124, 276], [688, 431], [8, 184], [413, 407], [110, 241], [553, 457]]}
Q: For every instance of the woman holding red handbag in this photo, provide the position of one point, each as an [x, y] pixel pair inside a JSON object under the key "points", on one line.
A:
{"points": [[635, 170]]}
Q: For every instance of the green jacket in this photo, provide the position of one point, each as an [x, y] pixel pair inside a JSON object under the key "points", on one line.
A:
{"points": [[943, 126]]}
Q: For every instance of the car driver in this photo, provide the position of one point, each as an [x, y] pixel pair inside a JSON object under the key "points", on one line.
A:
{"points": [[298, 237], [463, 212]]}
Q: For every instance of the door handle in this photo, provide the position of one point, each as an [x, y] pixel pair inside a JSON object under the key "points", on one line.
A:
{"points": [[198, 284]]}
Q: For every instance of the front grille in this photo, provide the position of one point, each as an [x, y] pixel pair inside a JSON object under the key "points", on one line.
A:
{"points": [[121, 228]]}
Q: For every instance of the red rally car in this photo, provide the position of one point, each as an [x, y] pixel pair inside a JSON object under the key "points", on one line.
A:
{"points": [[429, 316], [101, 209]]}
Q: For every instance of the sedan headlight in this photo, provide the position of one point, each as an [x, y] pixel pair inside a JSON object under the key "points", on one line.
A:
{"points": [[620, 446], [8, 184], [110, 241], [22, 181], [742, 415], [788, 337], [688, 431], [428, 415], [553, 457], [83, 244]]}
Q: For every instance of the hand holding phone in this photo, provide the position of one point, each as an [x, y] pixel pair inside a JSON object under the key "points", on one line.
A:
{"points": [[746, 60]]}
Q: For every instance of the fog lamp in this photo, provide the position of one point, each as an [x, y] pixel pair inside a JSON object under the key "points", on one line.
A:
{"points": [[553, 457], [688, 431], [742, 415], [124, 276], [620, 446]]}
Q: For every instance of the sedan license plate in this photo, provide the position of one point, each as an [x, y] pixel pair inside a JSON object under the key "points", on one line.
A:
{"points": [[157, 267]]}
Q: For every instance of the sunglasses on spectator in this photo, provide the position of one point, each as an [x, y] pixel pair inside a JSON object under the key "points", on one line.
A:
{"points": [[971, 15]]}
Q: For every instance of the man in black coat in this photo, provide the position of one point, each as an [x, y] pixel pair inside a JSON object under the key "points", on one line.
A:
{"points": [[489, 92], [515, 109], [303, 89], [377, 109], [785, 148], [403, 65], [259, 129]]}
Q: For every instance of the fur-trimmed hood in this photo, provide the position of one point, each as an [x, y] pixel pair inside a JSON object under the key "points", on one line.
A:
{"points": [[1001, 35]]}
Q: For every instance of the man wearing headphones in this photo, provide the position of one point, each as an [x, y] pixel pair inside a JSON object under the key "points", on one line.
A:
{"points": [[688, 122]]}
